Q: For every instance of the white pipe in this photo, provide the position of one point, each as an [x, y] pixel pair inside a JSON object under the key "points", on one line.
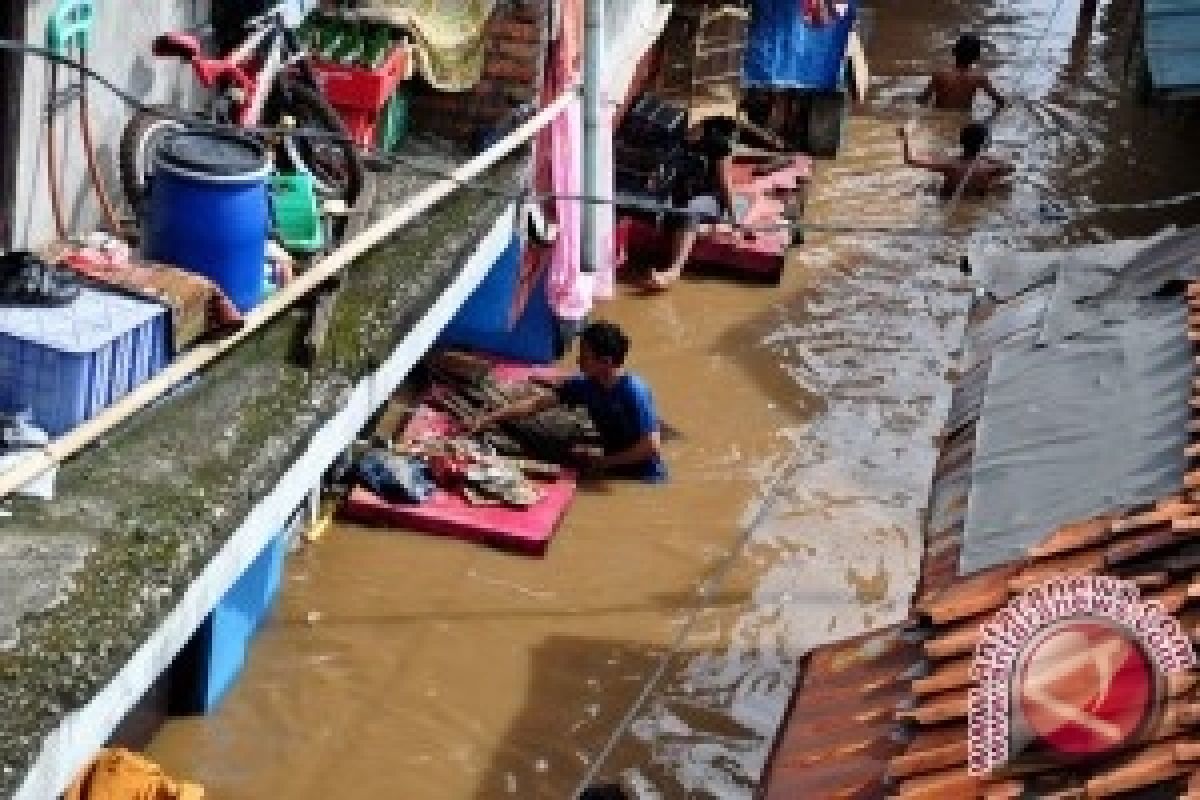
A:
{"points": [[62, 448], [593, 109]]}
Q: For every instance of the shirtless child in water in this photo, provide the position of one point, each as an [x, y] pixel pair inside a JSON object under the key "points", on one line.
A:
{"points": [[954, 88], [979, 171]]}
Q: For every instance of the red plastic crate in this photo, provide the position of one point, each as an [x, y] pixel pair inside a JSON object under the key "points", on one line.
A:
{"points": [[361, 89]]}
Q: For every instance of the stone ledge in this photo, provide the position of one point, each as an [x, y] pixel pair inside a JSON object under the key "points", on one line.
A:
{"points": [[162, 495]]}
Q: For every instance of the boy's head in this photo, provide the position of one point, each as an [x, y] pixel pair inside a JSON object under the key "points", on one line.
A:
{"points": [[973, 138], [967, 50], [602, 350]]}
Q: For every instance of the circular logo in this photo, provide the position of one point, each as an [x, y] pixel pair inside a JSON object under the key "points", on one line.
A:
{"points": [[1085, 687]]}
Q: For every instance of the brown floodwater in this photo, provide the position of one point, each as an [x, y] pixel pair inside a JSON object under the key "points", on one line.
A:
{"points": [[662, 629]]}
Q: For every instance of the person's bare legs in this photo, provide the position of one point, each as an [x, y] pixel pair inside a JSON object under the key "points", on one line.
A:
{"points": [[681, 247]]}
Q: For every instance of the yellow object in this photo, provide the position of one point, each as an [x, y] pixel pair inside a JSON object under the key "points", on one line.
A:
{"points": [[118, 774], [323, 522]]}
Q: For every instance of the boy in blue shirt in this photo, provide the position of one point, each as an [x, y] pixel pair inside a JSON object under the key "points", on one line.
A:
{"points": [[619, 403]]}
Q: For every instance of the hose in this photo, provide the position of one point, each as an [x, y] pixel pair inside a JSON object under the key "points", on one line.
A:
{"points": [[60, 225], [85, 124]]}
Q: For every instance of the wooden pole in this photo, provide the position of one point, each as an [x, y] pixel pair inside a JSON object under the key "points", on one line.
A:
{"points": [[62, 448]]}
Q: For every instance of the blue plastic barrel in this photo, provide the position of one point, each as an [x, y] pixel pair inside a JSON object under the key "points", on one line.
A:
{"points": [[209, 212]]}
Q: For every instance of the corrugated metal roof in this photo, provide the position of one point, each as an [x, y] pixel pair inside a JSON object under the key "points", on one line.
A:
{"points": [[884, 715]]}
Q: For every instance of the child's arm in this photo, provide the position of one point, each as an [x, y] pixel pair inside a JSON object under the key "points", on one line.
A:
{"points": [[926, 94], [993, 92]]}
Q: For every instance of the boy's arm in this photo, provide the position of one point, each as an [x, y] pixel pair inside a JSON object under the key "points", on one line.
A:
{"points": [[521, 408], [926, 94], [643, 449], [1002, 169], [993, 93]]}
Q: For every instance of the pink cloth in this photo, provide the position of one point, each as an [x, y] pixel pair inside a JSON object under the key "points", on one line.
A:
{"points": [[570, 291], [559, 170]]}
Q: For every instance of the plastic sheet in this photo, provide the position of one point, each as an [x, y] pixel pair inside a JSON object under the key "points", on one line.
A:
{"points": [[1086, 411]]}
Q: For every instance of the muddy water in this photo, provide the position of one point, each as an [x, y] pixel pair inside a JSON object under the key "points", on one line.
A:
{"points": [[412, 667]]}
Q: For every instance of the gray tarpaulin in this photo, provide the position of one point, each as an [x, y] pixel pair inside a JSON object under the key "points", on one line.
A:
{"points": [[1087, 412]]}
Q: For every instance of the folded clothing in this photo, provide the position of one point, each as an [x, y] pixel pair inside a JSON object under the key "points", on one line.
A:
{"points": [[198, 306]]}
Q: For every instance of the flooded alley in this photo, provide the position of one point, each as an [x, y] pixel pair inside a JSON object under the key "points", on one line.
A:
{"points": [[658, 638]]}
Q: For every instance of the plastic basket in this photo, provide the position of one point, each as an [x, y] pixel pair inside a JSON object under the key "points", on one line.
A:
{"points": [[294, 212], [359, 88], [68, 364]]}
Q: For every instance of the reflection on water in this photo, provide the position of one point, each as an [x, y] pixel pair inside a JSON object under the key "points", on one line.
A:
{"points": [[405, 666]]}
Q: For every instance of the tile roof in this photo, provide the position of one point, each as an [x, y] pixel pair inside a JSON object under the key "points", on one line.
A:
{"points": [[884, 714]]}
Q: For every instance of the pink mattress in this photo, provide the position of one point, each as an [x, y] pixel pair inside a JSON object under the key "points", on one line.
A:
{"points": [[527, 530]]}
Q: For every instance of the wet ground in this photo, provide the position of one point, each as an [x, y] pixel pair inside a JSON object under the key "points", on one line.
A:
{"points": [[660, 633]]}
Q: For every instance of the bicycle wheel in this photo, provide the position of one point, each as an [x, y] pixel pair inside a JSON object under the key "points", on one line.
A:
{"points": [[142, 136], [334, 164]]}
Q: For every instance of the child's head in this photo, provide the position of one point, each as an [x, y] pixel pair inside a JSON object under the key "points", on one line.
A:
{"points": [[602, 349], [967, 50], [973, 138]]}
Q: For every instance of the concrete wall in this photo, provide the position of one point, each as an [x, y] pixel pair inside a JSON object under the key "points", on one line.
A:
{"points": [[119, 50]]}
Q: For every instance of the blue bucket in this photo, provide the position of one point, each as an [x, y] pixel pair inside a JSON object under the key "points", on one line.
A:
{"points": [[209, 211]]}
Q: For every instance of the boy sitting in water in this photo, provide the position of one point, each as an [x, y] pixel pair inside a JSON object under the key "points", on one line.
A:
{"points": [[979, 171], [619, 403], [954, 88]]}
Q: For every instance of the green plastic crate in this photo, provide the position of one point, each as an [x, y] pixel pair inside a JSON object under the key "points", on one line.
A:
{"points": [[393, 122], [297, 220]]}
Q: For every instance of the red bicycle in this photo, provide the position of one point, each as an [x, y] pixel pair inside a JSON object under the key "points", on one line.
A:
{"points": [[265, 81]]}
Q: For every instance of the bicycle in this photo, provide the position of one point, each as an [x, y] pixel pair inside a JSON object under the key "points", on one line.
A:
{"points": [[266, 80]]}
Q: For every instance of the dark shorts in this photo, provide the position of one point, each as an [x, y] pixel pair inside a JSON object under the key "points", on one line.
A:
{"points": [[703, 209]]}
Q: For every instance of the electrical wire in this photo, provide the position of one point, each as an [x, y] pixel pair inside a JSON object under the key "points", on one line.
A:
{"points": [[931, 230]]}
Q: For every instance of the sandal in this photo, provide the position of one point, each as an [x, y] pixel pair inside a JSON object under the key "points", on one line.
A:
{"points": [[26, 280]]}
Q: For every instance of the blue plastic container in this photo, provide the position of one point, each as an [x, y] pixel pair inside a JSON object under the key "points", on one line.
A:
{"points": [[209, 211], [784, 52], [486, 312], [212, 660], [535, 338], [68, 364]]}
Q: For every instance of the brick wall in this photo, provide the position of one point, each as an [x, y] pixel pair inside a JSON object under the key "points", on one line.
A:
{"points": [[516, 38]]}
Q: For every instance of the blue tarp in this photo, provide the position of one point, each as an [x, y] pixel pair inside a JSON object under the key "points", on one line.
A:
{"points": [[784, 52]]}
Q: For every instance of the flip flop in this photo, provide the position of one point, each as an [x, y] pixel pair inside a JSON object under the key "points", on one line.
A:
{"points": [[26, 280]]}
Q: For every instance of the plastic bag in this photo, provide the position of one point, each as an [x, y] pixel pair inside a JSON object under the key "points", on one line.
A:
{"points": [[397, 479]]}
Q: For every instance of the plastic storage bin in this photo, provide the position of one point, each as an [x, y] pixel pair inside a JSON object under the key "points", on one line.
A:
{"points": [[210, 663], [68, 364], [294, 212]]}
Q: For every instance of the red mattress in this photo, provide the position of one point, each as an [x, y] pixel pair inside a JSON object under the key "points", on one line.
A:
{"points": [[527, 530], [760, 253]]}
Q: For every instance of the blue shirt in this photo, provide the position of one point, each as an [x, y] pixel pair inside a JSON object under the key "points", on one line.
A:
{"points": [[622, 416]]}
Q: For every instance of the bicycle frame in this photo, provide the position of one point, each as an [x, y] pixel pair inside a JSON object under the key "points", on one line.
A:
{"points": [[236, 73]]}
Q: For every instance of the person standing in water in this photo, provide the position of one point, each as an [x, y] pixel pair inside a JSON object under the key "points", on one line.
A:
{"points": [[954, 88], [619, 403], [980, 172]]}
